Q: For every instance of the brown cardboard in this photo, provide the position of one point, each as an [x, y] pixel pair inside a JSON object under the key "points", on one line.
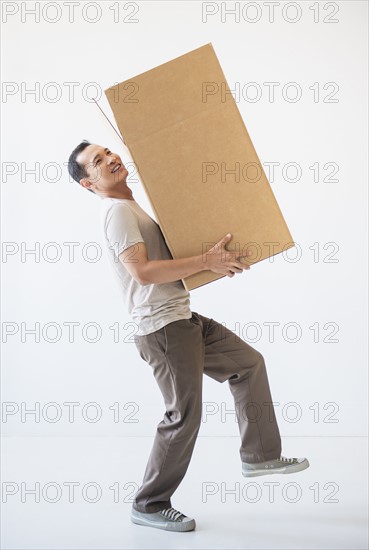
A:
{"points": [[178, 127]]}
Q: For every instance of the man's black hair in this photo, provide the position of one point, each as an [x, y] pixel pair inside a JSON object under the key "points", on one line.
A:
{"points": [[75, 169]]}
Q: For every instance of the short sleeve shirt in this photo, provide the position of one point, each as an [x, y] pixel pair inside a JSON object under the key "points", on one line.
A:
{"points": [[151, 306]]}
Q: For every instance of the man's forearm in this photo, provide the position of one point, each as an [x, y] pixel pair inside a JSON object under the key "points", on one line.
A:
{"points": [[167, 271]]}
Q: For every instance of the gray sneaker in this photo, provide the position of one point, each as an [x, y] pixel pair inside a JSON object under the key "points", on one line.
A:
{"points": [[168, 518], [280, 465]]}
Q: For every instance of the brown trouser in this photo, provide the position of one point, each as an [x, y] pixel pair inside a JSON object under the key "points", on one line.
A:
{"points": [[179, 354]]}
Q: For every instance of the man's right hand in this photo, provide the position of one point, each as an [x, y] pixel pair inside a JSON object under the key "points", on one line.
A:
{"points": [[220, 260]]}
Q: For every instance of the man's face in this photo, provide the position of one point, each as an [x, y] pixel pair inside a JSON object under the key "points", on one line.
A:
{"points": [[106, 171]]}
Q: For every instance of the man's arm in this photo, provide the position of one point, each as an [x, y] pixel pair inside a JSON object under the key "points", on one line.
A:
{"points": [[146, 271]]}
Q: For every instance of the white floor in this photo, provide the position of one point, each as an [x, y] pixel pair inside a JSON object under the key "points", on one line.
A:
{"points": [[324, 507]]}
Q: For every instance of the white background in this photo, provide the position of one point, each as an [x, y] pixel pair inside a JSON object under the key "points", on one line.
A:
{"points": [[319, 381]]}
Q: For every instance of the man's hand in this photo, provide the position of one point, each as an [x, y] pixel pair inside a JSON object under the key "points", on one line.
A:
{"points": [[146, 272], [220, 260]]}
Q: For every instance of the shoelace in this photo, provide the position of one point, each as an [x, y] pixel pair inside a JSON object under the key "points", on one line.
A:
{"points": [[289, 460], [173, 514]]}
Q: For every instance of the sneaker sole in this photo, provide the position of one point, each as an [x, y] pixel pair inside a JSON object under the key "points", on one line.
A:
{"points": [[167, 526], [283, 470]]}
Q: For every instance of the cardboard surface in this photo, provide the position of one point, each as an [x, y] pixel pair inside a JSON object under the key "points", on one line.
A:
{"points": [[196, 161]]}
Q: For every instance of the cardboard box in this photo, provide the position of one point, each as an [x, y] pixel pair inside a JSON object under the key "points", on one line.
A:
{"points": [[196, 161]]}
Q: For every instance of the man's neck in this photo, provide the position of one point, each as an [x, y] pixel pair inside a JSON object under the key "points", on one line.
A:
{"points": [[117, 195]]}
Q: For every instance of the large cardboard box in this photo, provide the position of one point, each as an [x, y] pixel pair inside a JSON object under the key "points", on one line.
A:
{"points": [[197, 162]]}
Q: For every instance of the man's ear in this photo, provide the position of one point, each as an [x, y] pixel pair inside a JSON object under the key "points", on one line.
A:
{"points": [[86, 183]]}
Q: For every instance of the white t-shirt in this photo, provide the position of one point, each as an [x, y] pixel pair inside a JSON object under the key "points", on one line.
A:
{"points": [[151, 306]]}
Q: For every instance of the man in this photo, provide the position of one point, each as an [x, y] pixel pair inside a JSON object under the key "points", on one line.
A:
{"points": [[179, 345]]}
